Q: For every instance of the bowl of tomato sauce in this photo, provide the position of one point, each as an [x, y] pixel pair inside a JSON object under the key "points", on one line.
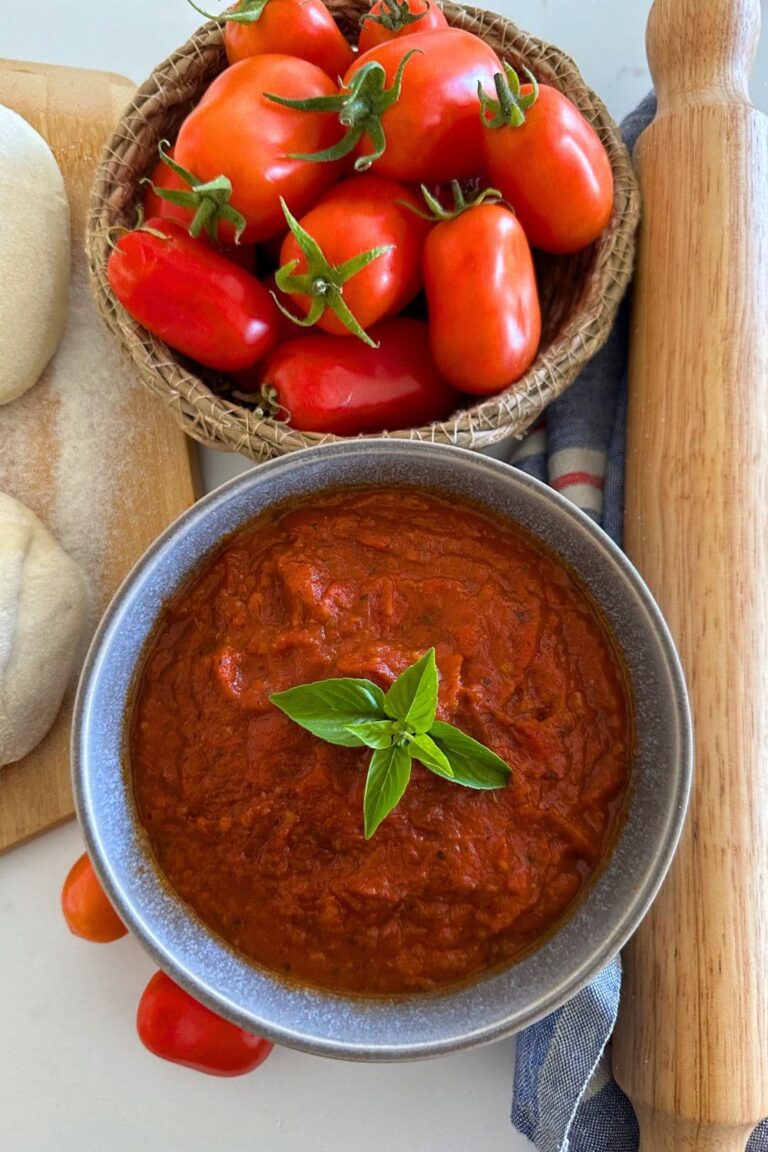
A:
{"points": [[231, 839]]}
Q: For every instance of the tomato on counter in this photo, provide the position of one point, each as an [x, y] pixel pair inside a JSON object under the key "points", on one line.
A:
{"points": [[176, 1027], [86, 907], [258, 824]]}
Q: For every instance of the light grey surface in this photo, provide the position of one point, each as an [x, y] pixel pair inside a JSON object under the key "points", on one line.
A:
{"points": [[413, 1026], [73, 1076]]}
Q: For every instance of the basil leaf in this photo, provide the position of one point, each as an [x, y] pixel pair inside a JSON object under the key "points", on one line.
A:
{"points": [[387, 780], [374, 733], [413, 696], [328, 707], [424, 749], [474, 765]]}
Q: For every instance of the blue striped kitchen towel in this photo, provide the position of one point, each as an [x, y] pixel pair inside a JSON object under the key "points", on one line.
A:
{"points": [[565, 1099]]}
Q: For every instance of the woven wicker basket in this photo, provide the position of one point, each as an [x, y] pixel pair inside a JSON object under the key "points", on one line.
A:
{"points": [[579, 294]]}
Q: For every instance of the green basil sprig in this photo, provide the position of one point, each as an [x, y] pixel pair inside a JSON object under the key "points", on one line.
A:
{"points": [[399, 726]]}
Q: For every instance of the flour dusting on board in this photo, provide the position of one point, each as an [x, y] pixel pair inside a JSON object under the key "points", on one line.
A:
{"points": [[82, 406], [90, 379]]}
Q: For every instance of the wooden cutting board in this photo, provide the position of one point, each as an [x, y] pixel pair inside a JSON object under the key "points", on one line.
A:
{"points": [[96, 457]]}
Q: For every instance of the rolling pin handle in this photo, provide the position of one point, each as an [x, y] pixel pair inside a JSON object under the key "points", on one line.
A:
{"points": [[702, 51]]}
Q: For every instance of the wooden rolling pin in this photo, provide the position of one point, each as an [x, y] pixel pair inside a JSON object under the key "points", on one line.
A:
{"points": [[691, 1046]]}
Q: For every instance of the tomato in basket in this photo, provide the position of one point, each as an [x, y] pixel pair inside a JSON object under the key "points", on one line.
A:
{"points": [[326, 259], [192, 297], [484, 315], [338, 384], [391, 19], [165, 191], [548, 162], [303, 28], [237, 133], [410, 107]]}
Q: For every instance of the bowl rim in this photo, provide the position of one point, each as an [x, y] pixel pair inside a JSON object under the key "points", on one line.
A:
{"points": [[626, 920]]}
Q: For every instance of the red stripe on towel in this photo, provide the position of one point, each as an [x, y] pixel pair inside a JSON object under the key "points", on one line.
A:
{"points": [[569, 478]]}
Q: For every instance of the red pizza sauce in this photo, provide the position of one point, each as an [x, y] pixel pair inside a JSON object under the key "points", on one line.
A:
{"points": [[258, 825]]}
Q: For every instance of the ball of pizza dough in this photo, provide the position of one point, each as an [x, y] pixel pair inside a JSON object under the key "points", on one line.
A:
{"points": [[43, 609], [34, 255]]}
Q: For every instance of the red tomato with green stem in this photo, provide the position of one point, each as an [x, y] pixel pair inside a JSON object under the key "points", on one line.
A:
{"points": [[176, 1027], [236, 133], [482, 299], [86, 907], [355, 217], [410, 107], [338, 384], [391, 19], [184, 205], [303, 28], [192, 297], [548, 162]]}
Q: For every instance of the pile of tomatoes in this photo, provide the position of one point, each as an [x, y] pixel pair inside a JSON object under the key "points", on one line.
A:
{"points": [[346, 235]]}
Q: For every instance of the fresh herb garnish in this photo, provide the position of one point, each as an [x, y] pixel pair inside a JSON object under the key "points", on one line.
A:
{"points": [[399, 726]]}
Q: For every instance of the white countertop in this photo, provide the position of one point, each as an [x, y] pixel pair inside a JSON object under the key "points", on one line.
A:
{"points": [[73, 1075]]}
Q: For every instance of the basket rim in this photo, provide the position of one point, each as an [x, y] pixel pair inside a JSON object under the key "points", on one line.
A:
{"points": [[222, 423]]}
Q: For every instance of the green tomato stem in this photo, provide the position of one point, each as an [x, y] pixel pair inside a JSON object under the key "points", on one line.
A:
{"points": [[246, 12], [323, 282], [395, 15], [268, 407], [208, 201], [510, 107], [437, 213], [360, 106]]}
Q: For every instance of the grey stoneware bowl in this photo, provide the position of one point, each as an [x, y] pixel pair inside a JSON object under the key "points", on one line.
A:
{"points": [[414, 1026]]}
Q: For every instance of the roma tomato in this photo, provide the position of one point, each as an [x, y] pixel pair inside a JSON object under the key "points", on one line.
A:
{"points": [[176, 1027], [390, 19], [86, 908], [548, 162], [191, 297], [433, 131], [235, 132], [337, 384], [410, 107], [303, 28], [484, 317], [354, 217]]}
